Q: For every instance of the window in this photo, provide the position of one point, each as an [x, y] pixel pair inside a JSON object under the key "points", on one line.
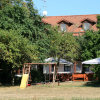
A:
{"points": [[78, 67], [63, 27], [52, 68], [67, 68], [86, 26], [86, 69]]}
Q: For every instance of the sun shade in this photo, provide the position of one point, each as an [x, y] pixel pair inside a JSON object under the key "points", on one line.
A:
{"points": [[92, 61]]}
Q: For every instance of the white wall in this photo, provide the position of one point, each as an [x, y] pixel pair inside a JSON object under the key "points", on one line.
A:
{"points": [[60, 69], [45, 69]]}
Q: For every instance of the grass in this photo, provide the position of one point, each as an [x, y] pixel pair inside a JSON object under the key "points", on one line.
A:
{"points": [[86, 99], [66, 91]]}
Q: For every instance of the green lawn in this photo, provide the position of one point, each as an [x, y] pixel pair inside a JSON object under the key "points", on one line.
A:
{"points": [[66, 91]]}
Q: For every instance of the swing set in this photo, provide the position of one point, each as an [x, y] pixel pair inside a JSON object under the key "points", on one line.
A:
{"points": [[26, 78]]}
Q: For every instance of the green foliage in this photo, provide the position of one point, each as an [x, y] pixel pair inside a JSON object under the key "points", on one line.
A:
{"points": [[69, 48], [15, 49], [16, 18], [97, 72], [90, 45], [23, 18], [26, 21], [37, 75], [98, 21], [90, 48], [25, 38], [55, 40], [64, 46], [23, 35], [4, 3]]}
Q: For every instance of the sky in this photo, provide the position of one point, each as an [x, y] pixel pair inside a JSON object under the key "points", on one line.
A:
{"points": [[68, 7]]}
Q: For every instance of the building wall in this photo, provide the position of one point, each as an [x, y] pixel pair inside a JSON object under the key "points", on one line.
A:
{"points": [[60, 69], [68, 76]]}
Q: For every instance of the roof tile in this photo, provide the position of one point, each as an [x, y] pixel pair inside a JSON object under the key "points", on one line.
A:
{"points": [[76, 20]]}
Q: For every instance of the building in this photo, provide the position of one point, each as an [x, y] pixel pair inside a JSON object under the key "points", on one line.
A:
{"points": [[76, 24], [69, 72]]}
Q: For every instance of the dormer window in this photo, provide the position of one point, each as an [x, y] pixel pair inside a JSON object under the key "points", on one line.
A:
{"points": [[63, 27], [86, 26]]}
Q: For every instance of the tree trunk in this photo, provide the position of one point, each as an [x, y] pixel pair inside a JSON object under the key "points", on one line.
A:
{"points": [[55, 70]]}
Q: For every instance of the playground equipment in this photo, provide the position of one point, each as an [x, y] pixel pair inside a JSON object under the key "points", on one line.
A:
{"points": [[24, 81], [25, 77]]}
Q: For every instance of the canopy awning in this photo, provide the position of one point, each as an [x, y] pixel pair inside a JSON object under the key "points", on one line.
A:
{"points": [[92, 61]]}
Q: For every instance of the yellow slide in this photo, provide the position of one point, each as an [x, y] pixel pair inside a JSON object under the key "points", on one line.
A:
{"points": [[24, 81]]}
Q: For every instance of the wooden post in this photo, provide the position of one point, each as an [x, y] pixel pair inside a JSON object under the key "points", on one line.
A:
{"points": [[84, 77], [45, 77], [75, 67], [29, 72], [49, 72], [18, 72], [23, 68], [29, 68], [54, 75], [72, 77]]}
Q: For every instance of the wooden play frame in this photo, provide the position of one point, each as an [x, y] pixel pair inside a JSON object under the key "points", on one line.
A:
{"points": [[27, 68]]}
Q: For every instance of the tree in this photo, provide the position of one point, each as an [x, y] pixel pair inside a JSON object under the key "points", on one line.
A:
{"points": [[90, 45], [98, 21], [90, 48], [14, 51], [63, 45], [3, 3], [19, 18], [26, 21], [25, 36]]}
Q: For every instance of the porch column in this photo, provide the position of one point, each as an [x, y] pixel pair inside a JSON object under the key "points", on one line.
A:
{"points": [[49, 71], [23, 69], [75, 67], [54, 74]]}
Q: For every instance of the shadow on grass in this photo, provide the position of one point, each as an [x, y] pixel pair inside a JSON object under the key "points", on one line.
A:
{"points": [[92, 84]]}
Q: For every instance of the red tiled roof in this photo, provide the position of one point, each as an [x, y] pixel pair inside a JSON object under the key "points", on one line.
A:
{"points": [[76, 21]]}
